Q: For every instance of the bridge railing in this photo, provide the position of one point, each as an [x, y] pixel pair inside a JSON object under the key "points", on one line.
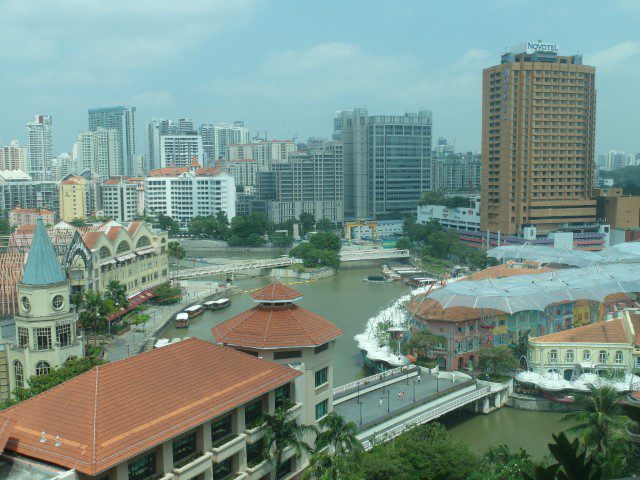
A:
{"points": [[374, 378], [432, 414]]}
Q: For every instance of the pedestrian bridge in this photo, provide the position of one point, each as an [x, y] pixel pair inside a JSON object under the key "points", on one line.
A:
{"points": [[385, 405], [248, 265]]}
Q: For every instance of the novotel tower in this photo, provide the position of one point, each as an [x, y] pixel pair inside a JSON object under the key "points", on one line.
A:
{"points": [[538, 131]]}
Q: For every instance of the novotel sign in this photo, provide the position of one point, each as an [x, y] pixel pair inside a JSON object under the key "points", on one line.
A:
{"points": [[533, 47]]}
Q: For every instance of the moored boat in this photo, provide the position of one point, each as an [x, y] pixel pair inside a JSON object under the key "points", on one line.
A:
{"points": [[217, 304], [193, 310], [182, 320]]}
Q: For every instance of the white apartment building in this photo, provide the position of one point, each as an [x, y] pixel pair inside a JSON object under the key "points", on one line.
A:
{"points": [[63, 165], [98, 152], [119, 199], [264, 152], [39, 148], [222, 135], [13, 157], [463, 218], [184, 193], [180, 150], [244, 171]]}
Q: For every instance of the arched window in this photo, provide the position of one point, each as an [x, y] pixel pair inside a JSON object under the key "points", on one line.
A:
{"points": [[42, 368], [18, 372], [123, 246], [104, 252], [586, 355], [553, 356], [602, 356], [143, 242], [569, 357], [618, 356]]}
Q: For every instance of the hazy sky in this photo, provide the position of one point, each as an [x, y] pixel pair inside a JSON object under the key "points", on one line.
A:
{"points": [[286, 66]]}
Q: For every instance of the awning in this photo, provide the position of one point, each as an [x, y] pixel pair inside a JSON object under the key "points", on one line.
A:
{"points": [[124, 258], [144, 251], [134, 301], [108, 262]]}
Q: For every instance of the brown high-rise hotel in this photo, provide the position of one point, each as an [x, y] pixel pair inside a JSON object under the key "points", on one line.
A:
{"points": [[538, 130]]}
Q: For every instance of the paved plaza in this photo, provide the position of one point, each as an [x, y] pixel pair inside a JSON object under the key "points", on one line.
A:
{"points": [[375, 406]]}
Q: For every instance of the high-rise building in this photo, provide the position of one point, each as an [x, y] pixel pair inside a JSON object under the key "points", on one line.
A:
{"points": [[225, 135], [13, 157], [538, 131], [180, 150], [455, 172], [39, 148], [185, 126], [156, 128], [122, 119], [73, 199], [63, 165], [265, 152], [17, 189], [98, 152], [119, 199], [387, 160]]}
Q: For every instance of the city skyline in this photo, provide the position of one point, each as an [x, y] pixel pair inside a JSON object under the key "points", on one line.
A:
{"points": [[293, 88]]}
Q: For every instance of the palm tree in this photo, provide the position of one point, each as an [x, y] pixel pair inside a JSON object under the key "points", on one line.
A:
{"points": [[573, 463], [282, 432], [324, 466], [117, 292], [340, 435], [96, 310], [176, 250], [599, 418]]}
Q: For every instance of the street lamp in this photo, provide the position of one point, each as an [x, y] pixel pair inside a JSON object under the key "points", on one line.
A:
{"points": [[359, 399], [360, 413], [414, 391], [437, 383]]}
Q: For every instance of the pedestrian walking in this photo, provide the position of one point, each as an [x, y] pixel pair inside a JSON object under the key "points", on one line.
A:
{"points": [[419, 378], [380, 401]]}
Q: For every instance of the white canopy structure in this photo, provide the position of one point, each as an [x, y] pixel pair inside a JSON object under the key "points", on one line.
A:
{"points": [[537, 291]]}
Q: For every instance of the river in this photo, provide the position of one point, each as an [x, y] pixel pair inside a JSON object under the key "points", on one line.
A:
{"points": [[349, 302]]}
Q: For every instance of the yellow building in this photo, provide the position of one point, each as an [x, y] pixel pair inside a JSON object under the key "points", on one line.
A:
{"points": [[73, 199], [596, 347]]}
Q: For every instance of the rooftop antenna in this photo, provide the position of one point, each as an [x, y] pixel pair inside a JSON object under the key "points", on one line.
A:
{"points": [[58, 442], [43, 437]]}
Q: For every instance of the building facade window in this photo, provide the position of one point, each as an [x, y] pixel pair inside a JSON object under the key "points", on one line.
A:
{"points": [[287, 354], [569, 357], [222, 469], [42, 368], [184, 447], [252, 414], [23, 337], [255, 453], [43, 338], [618, 357], [63, 335], [18, 373], [553, 356], [321, 348], [322, 376], [283, 394], [284, 469], [322, 409], [143, 467], [602, 356], [586, 355], [220, 429]]}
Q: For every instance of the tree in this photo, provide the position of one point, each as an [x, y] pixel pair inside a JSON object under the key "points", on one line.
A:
{"points": [[441, 243], [222, 218], [117, 293], [280, 240], [423, 342], [521, 347], [307, 221], [209, 227], [573, 463], [497, 360], [324, 466], [313, 257], [77, 299], [506, 465], [325, 225], [96, 311], [176, 250], [438, 198], [404, 243], [326, 241], [600, 421], [5, 228], [281, 432], [339, 435], [77, 222], [249, 231], [166, 294], [167, 224]]}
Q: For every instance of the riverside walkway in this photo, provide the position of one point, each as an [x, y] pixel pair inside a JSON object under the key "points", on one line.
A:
{"points": [[383, 406], [351, 255]]}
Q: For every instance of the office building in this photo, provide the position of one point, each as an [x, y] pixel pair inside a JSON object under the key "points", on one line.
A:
{"points": [[121, 119], [186, 192], [217, 137], [98, 151], [180, 150], [615, 160], [244, 171], [28, 216], [538, 132], [156, 128], [616, 209], [17, 189], [39, 148], [13, 157], [455, 172], [185, 126], [119, 199], [309, 182], [387, 160], [265, 152]]}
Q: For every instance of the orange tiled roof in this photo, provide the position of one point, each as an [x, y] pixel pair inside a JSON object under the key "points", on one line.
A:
{"points": [[429, 309], [112, 181], [635, 322], [118, 410], [133, 227], [612, 331], [112, 234], [276, 327], [91, 238], [507, 270], [276, 292], [208, 171], [168, 172]]}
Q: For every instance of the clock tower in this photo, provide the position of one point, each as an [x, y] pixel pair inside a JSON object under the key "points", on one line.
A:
{"points": [[45, 327]]}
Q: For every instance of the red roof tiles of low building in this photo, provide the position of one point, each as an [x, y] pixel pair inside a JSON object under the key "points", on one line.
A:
{"points": [[117, 411], [168, 172], [612, 331], [91, 238], [276, 292], [113, 232], [429, 309], [133, 227], [264, 327], [508, 270], [208, 171]]}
